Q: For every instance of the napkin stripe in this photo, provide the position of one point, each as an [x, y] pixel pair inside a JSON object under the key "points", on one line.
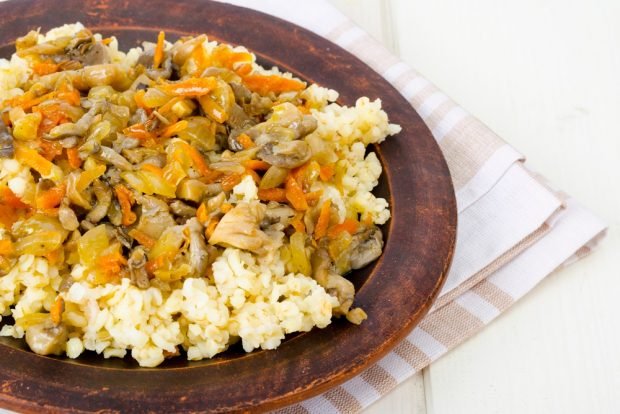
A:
{"points": [[342, 400], [494, 295], [412, 354], [379, 378]]}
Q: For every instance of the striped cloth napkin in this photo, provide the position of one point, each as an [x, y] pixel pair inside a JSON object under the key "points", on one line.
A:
{"points": [[514, 228]]}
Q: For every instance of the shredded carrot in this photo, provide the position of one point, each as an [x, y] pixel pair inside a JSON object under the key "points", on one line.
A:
{"points": [[245, 141], [55, 256], [165, 108], [34, 160], [244, 69], [50, 149], [272, 194], [53, 115], [224, 55], [45, 68], [69, 94], [197, 159], [138, 131], [125, 199], [348, 225], [74, 158], [158, 57], [8, 198], [56, 310], [200, 59], [152, 168], [253, 174], [263, 84], [226, 207], [327, 172], [256, 165], [190, 87], [229, 181], [159, 262], [314, 196], [174, 129], [138, 97], [295, 195], [6, 247], [213, 222], [51, 198], [111, 263], [11, 207], [298, 223], [201, 213], [142, 238], [320, 230]]}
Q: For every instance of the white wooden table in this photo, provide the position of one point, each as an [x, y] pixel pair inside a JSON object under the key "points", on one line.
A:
{"points": [[545, 75]]}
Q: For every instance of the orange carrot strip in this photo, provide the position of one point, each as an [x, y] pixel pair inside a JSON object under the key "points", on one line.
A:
{"points": [[256, 165], [34, 160], [327, 172], [263, 84], [348, 225], [174, 129], [168, 105], [201, 213], [153, 168], [142, 238], [56, 310], [197, 159], [138, 97], [244, 69], [8, 198], [138, 131], [125, 199], [51, 198], [321, 224], [44, 68], [6, 247], [272, 194], [211, 227], [253, 174], [111, 263], [226, 207], [74, 158], [298, 223], [245, 141], [55, 256], [313, 196], [190, 87], [229, 181], [295, 195], [158, 57]]}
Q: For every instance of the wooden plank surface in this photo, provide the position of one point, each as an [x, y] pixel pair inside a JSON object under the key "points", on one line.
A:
{"points": [[545, 76]]}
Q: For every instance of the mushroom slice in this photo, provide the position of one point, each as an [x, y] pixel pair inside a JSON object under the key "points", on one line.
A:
{"points": [[47, 338], [240, 228], [155, 216], [287, 154], [366, 247], [198, 254]]}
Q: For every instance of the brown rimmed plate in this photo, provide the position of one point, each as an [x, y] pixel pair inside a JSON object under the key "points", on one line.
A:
{"points": [[396, 291]]}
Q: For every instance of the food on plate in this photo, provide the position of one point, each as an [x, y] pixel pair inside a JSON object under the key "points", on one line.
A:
{"points": [[177, 198]]}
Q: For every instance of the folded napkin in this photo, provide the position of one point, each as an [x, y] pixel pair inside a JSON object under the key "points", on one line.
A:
{"points": [[514, 228]]}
